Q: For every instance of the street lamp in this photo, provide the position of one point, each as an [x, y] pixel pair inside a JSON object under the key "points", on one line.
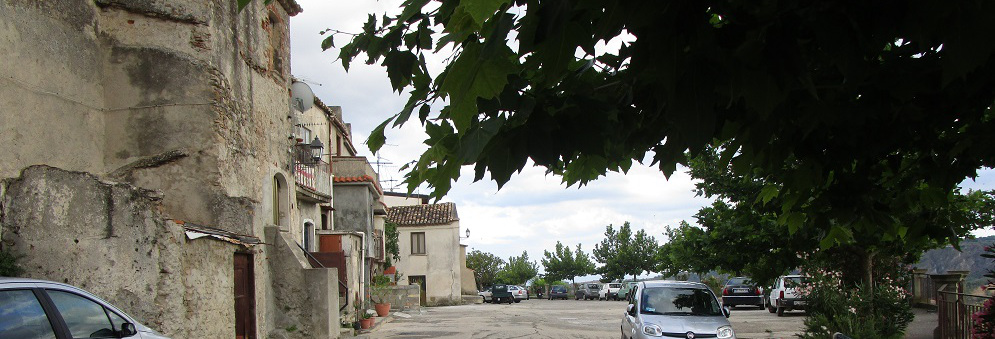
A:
{"points": [[316, 146], [467, 234]]}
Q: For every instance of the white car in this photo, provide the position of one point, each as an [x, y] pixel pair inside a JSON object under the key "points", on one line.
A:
{"points": [[520, 293], [32, 308], [675, 309], [486, 294], [609, 291], [784, 297]]}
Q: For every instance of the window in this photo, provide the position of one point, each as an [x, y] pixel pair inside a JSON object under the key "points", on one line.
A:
{"points": [[418, 243], [21, 316], [84, 317]]}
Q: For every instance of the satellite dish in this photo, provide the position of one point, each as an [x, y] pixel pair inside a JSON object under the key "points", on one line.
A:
{"points": [[301, 96]]}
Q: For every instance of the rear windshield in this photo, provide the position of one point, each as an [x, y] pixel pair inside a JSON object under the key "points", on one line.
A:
{"points": [[594, 286], [678, 301], [740, 281], [614, 285], [794, 281], [559, 289]]}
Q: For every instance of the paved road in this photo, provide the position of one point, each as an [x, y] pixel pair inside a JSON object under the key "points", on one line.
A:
{"points": [[556, 319]]}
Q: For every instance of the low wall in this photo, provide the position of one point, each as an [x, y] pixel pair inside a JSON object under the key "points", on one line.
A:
{"points": [[404, 297]]}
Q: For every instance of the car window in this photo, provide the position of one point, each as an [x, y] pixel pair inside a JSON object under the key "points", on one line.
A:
{"points": [[84, 317], [739, 281], [615, 285], [673, 300], [792, 282], [21, 316]]}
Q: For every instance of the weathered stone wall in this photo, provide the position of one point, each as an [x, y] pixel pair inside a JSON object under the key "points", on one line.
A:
{"points": [[50, 70], [305, 296], [134, 258], [187, 98]]}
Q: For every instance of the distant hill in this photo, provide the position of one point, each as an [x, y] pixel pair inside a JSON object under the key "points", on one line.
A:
{"points": [[968, 258]]}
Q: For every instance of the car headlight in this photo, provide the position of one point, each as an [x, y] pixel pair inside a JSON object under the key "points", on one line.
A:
{"points": [[725, 332], [652, 330]]}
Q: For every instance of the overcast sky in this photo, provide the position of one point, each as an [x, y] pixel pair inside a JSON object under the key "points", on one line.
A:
{"points": [[532, 211]]}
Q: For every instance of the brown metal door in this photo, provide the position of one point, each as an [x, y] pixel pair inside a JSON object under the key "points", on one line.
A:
{"points": [[420, 280], [330, 243], [245, 298]]}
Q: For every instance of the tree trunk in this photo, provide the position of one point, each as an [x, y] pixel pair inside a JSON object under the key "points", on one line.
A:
{"points": [[867, 268]]}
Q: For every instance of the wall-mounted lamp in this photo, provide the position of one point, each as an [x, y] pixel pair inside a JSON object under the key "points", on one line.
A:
{"points": [[316, 146], [467, 234]]}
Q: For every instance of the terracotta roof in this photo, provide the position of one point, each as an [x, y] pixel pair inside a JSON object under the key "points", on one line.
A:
{"points": [[364, 178], [423, 215]]}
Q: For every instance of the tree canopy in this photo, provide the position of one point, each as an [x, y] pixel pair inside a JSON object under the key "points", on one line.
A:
{"points": [[850, 110], [623, 253], [485, 267], [518, 270], [564, 264]]}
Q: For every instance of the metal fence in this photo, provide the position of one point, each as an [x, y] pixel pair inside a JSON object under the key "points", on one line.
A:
{"points": [[954, 311]]}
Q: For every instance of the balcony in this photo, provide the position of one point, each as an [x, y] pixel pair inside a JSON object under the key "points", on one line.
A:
{"points": [[313, 176]]}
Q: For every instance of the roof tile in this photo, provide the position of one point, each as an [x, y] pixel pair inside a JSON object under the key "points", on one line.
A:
{"points": [[423, 215]]}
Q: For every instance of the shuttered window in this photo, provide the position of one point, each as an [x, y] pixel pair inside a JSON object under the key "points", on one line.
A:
{"points": [[418, 243]]}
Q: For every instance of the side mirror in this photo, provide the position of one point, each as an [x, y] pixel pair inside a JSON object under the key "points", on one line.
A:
{"points": [[725, 310], [631, 309], [128, 329]]}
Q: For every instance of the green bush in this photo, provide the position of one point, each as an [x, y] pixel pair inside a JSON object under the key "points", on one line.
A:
{"points": [[882, 311], [8, 264]]}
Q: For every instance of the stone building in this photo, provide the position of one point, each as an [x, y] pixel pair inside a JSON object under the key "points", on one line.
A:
{"points": [[156, 140], [430, 249]]}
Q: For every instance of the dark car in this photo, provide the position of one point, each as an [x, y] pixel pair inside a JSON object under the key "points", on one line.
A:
{"points": [[558, 292], [742, 291], [501, 293], [588, 291], [31, 308]]}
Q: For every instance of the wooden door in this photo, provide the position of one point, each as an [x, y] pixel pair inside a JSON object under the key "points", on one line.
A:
{"points": [[420, 280], [245, 297]]}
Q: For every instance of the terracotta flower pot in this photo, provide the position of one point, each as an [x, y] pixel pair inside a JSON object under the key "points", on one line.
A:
{"points": [[366, 323], [382, 309]]}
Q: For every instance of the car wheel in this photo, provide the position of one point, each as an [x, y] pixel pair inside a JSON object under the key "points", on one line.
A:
{"points": [[518, 300], [780, 311], [770, 308]]}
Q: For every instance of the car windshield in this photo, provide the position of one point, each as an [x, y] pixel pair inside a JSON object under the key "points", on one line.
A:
{"points": [[678, 301], [740, 281]]}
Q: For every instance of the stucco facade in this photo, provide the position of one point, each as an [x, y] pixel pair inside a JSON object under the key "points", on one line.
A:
{"points": [[149, 117], [430, 249]]}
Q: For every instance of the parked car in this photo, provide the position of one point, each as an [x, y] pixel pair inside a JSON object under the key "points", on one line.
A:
{"points": [[609, 291], [784, 295], [587, 291], [558, 292], [34, 308], [675, 309], [742, 291], [520, 293], [486, 294], [501, 293], [623, 293]]}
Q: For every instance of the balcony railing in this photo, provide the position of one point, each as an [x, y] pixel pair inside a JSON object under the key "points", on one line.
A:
{"points": [[310, 174]]}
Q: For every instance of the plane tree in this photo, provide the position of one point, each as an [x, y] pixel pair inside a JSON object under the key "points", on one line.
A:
{"points": [[485, 267], [518, 270], [852, 110]]}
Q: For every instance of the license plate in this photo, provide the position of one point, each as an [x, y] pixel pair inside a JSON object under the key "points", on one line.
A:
{"points": [[800, 302], [741, 290]]}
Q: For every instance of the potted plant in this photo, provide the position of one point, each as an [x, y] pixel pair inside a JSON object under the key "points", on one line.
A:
{"points": [[380, 293], [366, 320]]}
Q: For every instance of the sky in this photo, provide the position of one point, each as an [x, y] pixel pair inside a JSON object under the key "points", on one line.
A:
{"points": [[532, 211]]}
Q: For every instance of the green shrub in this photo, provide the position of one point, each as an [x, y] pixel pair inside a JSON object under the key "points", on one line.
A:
{"points": [[8, 264], [882, 311]]}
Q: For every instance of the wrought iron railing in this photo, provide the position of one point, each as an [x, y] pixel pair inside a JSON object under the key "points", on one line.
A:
{"points": [[343, 288], [954, 311], [309, 173]]}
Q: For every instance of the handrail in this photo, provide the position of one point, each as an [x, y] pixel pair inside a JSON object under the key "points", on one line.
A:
{"points": [[343, 285]]}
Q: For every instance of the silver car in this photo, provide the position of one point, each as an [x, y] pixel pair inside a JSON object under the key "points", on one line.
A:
{"points": [[31, 308], [675, 309]]}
